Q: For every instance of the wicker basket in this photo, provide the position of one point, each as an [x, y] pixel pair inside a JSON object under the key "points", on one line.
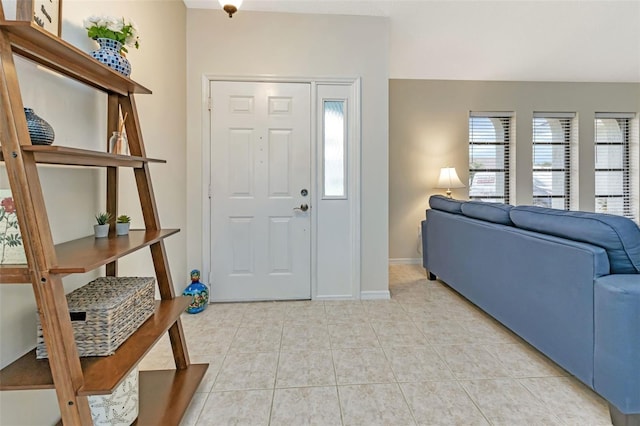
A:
{"points": [[105, 312]]}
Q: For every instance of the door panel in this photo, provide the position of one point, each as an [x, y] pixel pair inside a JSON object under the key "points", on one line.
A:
{"points": [[280, 142], [260, 162], [240, 163]]}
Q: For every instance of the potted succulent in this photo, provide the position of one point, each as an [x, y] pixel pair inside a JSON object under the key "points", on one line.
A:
{"points": [[122, 224], [101, 230]]}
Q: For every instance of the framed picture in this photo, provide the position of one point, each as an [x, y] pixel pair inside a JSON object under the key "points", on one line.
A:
{"points": [[44, 13], [11, 248]]}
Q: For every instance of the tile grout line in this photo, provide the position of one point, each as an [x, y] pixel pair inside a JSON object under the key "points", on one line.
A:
{"points": [[275, 377]]}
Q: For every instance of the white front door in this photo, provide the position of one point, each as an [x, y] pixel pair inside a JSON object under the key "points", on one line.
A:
{"points": [[260, 191]]}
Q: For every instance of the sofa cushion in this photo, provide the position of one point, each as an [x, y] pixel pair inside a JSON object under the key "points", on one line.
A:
{"points": [[491, 212], [440, 202], [619, 236]]}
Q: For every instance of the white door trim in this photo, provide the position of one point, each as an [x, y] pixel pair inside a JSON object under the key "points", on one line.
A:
{"points": [[354, 167]]}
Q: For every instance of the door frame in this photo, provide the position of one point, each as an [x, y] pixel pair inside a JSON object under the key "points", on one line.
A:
{"points": [[353, 167]]}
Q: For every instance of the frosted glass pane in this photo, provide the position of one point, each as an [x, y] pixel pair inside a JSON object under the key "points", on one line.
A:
{"points": [[334, 149], [486, 184], [610, 205], [487, 156], [549, 183], [550, 156], [609, 156], [609, 183], [558, 203]]}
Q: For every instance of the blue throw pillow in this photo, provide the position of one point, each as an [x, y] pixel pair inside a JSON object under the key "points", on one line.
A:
{"points": [[491, 212], [440, 202], [619, 236]]}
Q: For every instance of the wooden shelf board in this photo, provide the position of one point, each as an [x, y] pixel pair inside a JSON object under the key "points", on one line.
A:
{"points": [[165, 395], [32, 42], [53, 154], [89, 253], [14, 274], [101, 374]]}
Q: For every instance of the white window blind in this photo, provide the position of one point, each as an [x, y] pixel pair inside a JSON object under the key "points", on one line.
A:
{"points": [[613, 164], [489, 142], [552, 136]]}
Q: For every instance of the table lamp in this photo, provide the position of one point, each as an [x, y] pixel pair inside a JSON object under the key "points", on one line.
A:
{"points": [[449, 179]]}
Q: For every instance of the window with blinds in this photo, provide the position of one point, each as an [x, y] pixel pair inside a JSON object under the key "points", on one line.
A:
{"points": [[613, 164], [490, 135], [552, 137]]}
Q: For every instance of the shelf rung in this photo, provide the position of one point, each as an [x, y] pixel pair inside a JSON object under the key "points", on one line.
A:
{"points": [[14, 274], [101, 374], [41, 47], [165, 395], [89, 253], [66, 156]]}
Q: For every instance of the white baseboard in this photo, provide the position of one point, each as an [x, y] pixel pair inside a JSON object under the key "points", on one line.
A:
{"points": [[375, 295], [335, 297], [406, 261]]}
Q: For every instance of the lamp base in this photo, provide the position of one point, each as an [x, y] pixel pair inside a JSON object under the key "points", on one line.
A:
{"points": [[449, 193]]}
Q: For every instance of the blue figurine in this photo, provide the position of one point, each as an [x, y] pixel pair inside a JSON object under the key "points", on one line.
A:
{"points": [[199, 293]]}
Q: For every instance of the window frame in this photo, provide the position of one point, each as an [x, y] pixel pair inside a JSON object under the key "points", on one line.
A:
{"points": [[567, 121], [507, 117], [626, 129]]}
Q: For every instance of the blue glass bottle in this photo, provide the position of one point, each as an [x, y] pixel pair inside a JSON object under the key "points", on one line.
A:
{"points": [[199, 294]]}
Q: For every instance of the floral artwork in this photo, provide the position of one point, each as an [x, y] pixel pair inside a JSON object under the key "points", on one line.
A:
{"points": [[11, 249], [123, 30]]}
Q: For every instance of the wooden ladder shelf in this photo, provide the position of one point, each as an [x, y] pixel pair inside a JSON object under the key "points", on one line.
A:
{"points": [[164, 395]]}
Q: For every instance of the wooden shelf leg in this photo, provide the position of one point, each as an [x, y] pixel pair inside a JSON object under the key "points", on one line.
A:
{"points": [[61, 347], [152, 222], [113, 116], [38, 246]]}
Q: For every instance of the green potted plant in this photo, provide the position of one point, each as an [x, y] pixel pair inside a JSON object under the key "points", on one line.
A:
{"points": [[101, 230], [122, 224]]}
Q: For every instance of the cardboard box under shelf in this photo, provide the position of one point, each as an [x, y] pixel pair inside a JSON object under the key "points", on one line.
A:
{"points": [[105, 312]]}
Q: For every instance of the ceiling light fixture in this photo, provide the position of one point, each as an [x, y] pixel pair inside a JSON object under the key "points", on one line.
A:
{"points": [[230, 6]]}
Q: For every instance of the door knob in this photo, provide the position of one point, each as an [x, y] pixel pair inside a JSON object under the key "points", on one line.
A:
{"points": [[303, 207]]}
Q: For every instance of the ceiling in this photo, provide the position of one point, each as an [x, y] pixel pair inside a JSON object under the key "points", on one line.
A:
{"points": [[505, 40], [339, 7]]}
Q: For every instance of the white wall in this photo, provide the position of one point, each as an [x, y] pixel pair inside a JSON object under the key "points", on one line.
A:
{"points": [[292, 45], [516, 40], [74, 195]]}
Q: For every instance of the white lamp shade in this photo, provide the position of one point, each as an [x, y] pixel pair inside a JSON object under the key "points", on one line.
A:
{"points": [[449, 178]]}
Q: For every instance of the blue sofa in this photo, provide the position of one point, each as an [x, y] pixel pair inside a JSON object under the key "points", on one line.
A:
{"points": [[566, 282]]}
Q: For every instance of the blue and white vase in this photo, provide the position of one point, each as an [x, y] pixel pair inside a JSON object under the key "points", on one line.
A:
{"points": [[109, 54], [199, 294], [40, 132]]}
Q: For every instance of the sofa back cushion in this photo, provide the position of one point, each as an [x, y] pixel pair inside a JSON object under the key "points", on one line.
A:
{"points": [[491, 212], [619, 236], [440, 202]]}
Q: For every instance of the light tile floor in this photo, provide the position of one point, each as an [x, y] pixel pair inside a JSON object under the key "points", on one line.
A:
{"points": [[425, 357]]}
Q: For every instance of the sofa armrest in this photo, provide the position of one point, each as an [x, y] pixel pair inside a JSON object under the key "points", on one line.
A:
{"points": [[617, 340]]}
